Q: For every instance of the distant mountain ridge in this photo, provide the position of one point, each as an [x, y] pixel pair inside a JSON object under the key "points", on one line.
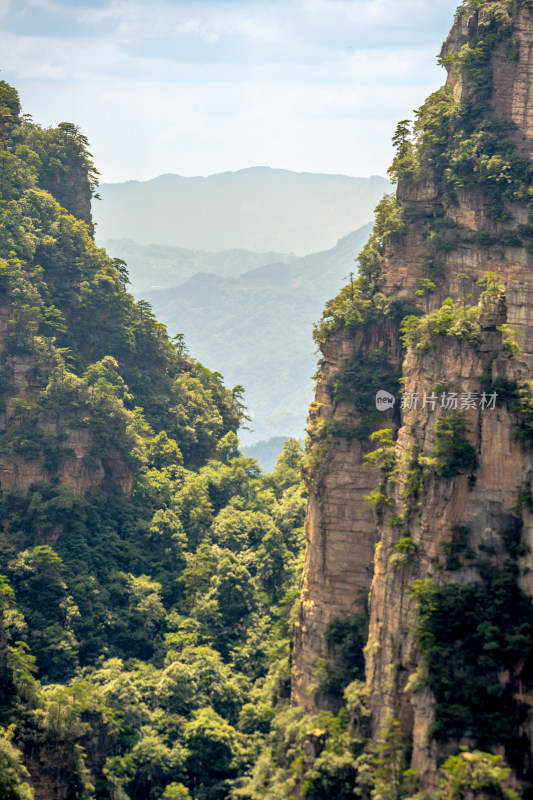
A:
{"points": [[255, 328], [257, 209], [242, 264], [153, 266]]}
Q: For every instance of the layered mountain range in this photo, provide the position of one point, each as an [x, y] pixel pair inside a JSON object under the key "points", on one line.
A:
{"points": [[258, 209]]}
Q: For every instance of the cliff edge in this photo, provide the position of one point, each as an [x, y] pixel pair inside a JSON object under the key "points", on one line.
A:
{"points": [[419, 517]]}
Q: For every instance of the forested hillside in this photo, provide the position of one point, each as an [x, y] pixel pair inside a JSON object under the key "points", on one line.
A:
{"points": [[149, 569], [150, 572]]}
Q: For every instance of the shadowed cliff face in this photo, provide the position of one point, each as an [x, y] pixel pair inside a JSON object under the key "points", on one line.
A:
{"points": [[451, 485], [341, 529]]}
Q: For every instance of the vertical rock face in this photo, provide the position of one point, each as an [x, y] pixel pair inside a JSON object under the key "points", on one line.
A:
{"points": [[481, 500], [458, 486], [512, 72], [340, 525]]}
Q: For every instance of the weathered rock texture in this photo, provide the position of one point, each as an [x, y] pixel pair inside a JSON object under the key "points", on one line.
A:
{"points": [[486, 507], [343, 563], [80, 469], [341, 529]]}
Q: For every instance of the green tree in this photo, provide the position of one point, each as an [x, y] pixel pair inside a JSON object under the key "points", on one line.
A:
{"points": [[274, 563], [13, 774], [214, 747], [176, 791], [426, 288], [288, 467], [389, 761], [476, 774], [453, 451], [164, 452]]}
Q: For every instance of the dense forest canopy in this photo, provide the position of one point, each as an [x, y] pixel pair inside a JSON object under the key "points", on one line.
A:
{"points": [[153, 608]]}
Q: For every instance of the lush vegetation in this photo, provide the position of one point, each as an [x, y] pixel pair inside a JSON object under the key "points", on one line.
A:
{"points": [[151, 610], [360, 302], [468, 635], [475, 772], [359, 380], [459, 145], [155, 610], [146, 622]]}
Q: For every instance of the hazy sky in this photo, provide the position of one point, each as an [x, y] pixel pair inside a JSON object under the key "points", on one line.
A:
{"points": [[213, 85]]}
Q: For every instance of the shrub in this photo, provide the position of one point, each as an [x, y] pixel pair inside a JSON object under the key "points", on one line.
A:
{"points": [[475, 772], [453, 452]]}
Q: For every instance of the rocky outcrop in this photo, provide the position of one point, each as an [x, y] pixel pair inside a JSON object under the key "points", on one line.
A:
{"points": [[66, 767], [512, 71], [350, 550], [77, 463], [78, 466], [340, 525], [482, 500]]}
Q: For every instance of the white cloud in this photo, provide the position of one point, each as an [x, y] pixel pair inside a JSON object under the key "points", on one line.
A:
{"points": [[297, 95], [55, 58], [298, 120], [194, 27], [261, 27]]}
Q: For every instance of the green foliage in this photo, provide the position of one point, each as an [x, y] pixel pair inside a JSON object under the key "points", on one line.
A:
{"points": [[359, 380], [176, 791], [287, 469], [522, 400], [518, 395], [405, 549], [427, 288], [457, 548], [468, 635], [459, 145], [126, 582], [156, 620], [360, 303], [475, 772], [51, 270], [332, 775], [336, 770], [347, 638], [64, 164], [214, 749], [458, 321], [383, 456], [13, 785], [454, 453], [389, 761]]}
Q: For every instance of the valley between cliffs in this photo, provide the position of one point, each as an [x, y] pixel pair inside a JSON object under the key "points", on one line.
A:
{"points": [[157, 639]]}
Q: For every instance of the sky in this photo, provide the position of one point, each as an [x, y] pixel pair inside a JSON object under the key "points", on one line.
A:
{"points": [[209, 86]]}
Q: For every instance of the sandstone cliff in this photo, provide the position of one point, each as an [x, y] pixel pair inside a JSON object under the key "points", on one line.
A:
{"points": [[450, 484]]}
